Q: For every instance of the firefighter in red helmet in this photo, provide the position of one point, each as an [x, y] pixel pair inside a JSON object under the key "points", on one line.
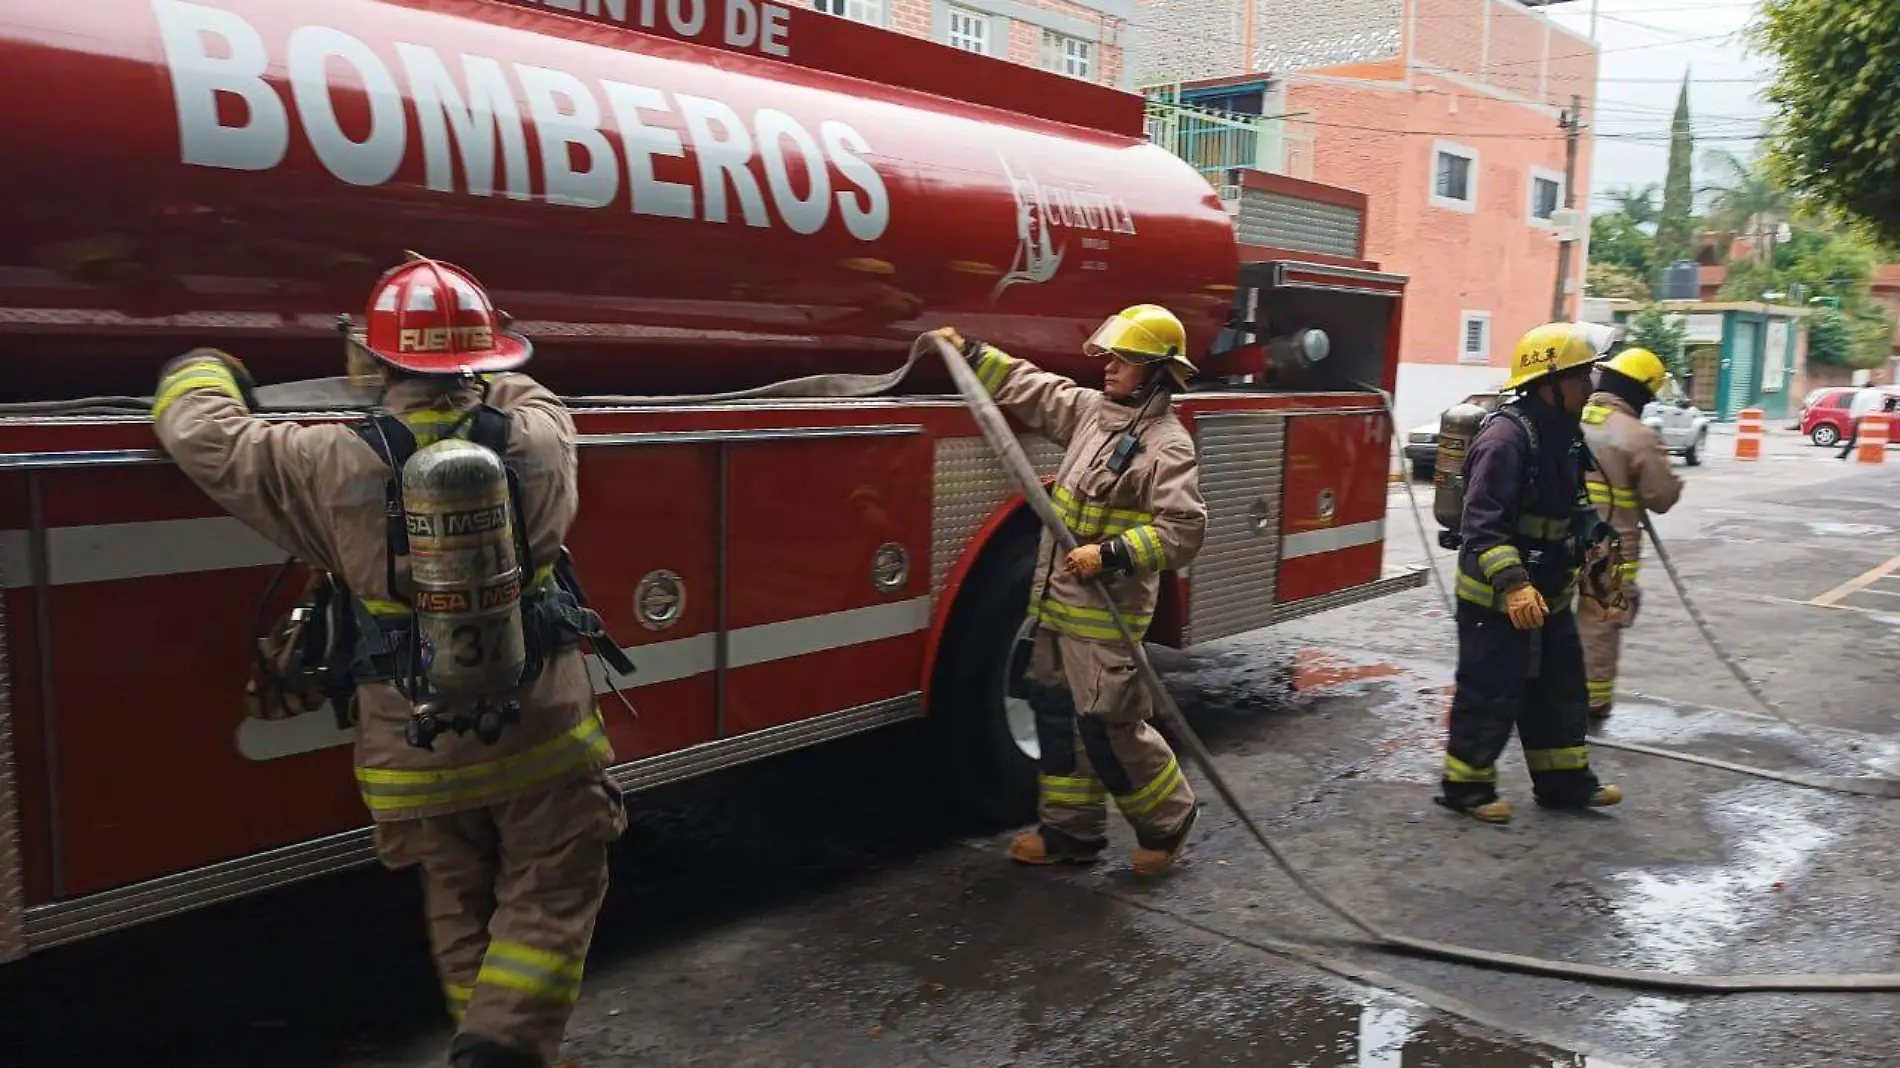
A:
{"points": [[510, 825]]}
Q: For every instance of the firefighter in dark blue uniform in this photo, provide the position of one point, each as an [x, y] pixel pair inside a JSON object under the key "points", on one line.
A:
{"points": [[1526, 513]]}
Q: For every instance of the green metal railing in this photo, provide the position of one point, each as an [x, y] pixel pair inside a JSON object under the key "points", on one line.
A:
{"points": [[1217, 143]]}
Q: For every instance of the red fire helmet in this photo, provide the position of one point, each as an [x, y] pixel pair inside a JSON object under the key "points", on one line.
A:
{"points": [[431, 317]]}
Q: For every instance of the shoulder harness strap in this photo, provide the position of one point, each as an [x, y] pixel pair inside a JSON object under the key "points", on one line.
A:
{"points": [[488, 427], [1532, 464], [394, 444]]}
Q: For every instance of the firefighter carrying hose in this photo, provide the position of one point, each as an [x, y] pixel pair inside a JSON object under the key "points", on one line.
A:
{"points": [[1128, 488], [510, 822], [1519, 658], [1632, 476]]}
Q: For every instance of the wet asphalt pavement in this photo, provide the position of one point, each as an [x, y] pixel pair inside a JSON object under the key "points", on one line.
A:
{"points": [[771, 917]]}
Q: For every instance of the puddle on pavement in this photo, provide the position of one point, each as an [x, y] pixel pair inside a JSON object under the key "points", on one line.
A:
{"points": [[1673, 916], [1849, 530]]}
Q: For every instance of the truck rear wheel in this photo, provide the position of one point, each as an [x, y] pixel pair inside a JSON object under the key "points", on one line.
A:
{"points": [[987, 740]]}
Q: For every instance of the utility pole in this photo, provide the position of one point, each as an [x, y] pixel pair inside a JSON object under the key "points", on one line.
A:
{"points": [[1569, 123]]}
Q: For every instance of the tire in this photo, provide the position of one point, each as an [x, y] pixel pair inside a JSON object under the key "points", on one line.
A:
{"points": [[1693, 455], [991, 776], [1826, 435], [1423, 471]]}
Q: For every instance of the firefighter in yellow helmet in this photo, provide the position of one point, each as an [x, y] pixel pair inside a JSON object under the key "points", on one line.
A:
{"points": [[1129, 489], [1520, 662], [1632, 476]]}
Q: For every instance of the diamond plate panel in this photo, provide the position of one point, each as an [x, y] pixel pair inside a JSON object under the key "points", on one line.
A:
{"points": [[969, 486], [1242, 467], [1301, 225]]}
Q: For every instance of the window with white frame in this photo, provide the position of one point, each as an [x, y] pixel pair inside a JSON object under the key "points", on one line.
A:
{"points": [[1546, 195], [1474, 341], [969, 30], [866, 11], [1068, 55], [1454, 176]]}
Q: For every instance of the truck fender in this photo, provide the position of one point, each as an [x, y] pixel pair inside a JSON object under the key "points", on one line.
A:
{"points": [[953, 583]]}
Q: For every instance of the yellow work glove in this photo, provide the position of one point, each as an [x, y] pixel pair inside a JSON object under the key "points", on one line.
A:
{"points": [[1084, 560], [1526, 607]]}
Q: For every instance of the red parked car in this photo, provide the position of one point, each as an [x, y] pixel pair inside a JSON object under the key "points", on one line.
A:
{"points": [[1824, 412]]}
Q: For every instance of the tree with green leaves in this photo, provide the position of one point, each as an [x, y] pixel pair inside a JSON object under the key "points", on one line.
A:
{"points": [[1675, 226], [1663, 335], [1746, 201], [1636, 203], [1609, 280], [1837, 104], [1828, 339], [1616, 242]]}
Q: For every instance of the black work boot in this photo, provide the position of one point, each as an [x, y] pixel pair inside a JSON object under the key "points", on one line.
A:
{"points": [[474, 1051]]}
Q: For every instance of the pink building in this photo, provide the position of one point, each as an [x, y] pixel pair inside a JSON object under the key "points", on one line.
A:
{"points": [[1080, 38], [1445, 113]]}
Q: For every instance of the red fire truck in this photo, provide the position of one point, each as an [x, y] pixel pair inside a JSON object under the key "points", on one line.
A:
{"points": [[673, 198]]}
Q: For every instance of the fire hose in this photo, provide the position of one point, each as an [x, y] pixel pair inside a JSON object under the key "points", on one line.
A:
{"points": [[1009, 452]]}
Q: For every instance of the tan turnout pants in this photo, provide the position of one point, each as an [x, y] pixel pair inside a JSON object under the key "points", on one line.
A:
{"points": [[1091, 720], [1602, 646], [510, 892]]}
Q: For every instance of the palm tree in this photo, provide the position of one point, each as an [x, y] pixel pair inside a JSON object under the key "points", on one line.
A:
{"points": [[1744, 201], [1637, 203]]}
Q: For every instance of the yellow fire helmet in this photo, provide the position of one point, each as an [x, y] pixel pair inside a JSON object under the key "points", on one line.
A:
{"points": [[1142, 334], [1641, 366], [1555, 347]]}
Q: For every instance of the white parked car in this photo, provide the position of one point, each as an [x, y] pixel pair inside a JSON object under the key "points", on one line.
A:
{"points": [[1683, 426]]}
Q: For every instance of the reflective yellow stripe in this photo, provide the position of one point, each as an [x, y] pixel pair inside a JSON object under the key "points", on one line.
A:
{"points": [[1458, 771], [1574, 758], [1494, 560], [1603, 493], [380, 608], [199, 374], [388, 789], [1088, 520], [535, 972], [1602, 688], [1088, 622], [1144, 800], [1061, 790], [1144, 548], [1595, 413], [991, 367], [430, 425], [457, 997], [1475, 591]]}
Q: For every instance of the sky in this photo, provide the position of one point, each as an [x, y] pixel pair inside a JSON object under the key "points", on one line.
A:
{"points": [[1646, 48]]}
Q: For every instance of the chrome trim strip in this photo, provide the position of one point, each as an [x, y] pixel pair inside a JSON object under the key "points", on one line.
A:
{"points": [[1344, 274], [12, 874], [111, 910], [38, 461], [1410, 579], [757, 745], [714, 437]]}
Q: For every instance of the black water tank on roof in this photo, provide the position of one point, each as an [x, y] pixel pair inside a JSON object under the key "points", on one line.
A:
{"points": [[1682, 280]]}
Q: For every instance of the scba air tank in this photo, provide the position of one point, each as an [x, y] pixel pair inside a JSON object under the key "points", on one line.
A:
{"points": [[1456, 427], [464, 571]]}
